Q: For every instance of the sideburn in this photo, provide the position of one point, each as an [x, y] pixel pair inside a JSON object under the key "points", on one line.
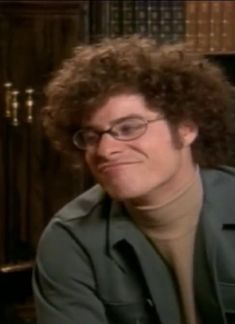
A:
{"points": [[176, 139]]}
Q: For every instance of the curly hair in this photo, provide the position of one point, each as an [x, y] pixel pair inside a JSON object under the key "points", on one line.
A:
{"points": [[182, 84]]}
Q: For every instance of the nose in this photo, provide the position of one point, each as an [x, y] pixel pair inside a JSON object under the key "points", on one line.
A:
{"points": [[108, 146]]}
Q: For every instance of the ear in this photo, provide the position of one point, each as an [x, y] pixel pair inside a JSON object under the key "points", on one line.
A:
{"points": [[188, 132]]}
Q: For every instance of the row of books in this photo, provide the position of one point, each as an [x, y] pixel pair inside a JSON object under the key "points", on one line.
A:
{"points": [[162, 19], [210, 26], [207, 26]]}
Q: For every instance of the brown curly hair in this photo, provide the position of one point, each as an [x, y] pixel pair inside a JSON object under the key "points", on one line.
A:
{"points": [[185, 85]]}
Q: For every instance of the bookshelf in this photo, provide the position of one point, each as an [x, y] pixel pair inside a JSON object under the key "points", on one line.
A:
{"points": [[210, 26], [206, 26]]}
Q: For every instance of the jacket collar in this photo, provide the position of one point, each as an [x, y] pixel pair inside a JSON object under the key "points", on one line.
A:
{"points": [[217, 215], [157, 275]]}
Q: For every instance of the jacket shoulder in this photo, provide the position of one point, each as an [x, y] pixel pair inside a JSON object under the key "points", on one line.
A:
{"points": [[219, 191], [223, 174], [82, 205], [82, 219]]}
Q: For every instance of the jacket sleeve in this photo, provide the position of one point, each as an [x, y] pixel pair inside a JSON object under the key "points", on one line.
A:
{"points": [[64, 282]]}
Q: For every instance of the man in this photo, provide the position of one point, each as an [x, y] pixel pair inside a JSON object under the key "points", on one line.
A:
{"points": [[153, 241]]}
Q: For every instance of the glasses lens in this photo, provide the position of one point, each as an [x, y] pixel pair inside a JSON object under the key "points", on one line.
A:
{"points": [[124, 130], [83, 139], [129, 129]]}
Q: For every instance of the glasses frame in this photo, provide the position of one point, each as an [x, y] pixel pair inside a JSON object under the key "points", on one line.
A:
{"points": [[110, 131]]}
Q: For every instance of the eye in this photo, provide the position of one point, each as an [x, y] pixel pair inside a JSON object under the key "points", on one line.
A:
{"points": [[129, 127], [89, 137]]}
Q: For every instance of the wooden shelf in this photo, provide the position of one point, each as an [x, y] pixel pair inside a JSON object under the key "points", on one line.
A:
{"points": [[16, 267]]}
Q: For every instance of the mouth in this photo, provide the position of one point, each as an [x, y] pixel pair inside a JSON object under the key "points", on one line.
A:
{"points": [[114, 165]]}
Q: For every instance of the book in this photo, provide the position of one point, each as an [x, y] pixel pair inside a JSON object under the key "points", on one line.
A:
{"points": [[215, 20], [141, 17], [228, 27], [191, 26], [153, 19], [203, 26], [128, 24], [178, 21], [114, 18], [166, 30]]}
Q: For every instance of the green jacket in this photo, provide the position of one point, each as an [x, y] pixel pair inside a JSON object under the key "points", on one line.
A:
{"points": [[94, 266]]}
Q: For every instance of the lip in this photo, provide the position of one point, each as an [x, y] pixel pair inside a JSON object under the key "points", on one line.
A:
{"points": [[108, 166]]}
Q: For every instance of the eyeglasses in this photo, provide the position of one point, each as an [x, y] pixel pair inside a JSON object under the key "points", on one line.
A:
{"points": [[125, 129]]}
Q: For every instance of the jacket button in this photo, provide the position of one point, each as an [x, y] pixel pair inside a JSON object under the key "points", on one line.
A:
{"points": [[149, 302]]}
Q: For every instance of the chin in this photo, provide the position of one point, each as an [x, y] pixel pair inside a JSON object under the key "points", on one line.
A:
{"points": [[120, 194]]}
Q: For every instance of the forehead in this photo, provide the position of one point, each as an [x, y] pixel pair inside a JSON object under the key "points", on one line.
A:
{"points": [[118, 106]]}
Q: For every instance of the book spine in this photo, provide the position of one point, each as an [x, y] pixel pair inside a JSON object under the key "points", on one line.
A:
{"points": [[203, 27], [178, 23], [166, 30], [128, 25], [115, 18], [191, 16], [98, 25], [228, 27], [154, 26], [141, 17], [104, 18], [216, 26]]}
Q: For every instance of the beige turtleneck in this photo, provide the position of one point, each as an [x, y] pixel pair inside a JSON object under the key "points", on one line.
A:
{"points": [[171, 228]]}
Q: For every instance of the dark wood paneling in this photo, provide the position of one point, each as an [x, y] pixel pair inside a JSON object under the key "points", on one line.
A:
{"points": [[35, 36]]}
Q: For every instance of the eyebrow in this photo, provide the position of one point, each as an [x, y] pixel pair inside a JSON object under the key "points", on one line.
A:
{"points": [[114, 121]]}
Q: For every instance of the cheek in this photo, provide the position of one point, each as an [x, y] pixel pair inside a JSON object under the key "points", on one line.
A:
{"points": [[162, 155], [159, 144]]}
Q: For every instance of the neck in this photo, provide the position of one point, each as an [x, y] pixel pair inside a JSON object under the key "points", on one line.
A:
{"points": [[169, 189], [173, 217]]}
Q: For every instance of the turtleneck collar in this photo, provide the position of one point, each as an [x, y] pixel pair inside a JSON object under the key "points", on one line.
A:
{"points": [[174, 218]]}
